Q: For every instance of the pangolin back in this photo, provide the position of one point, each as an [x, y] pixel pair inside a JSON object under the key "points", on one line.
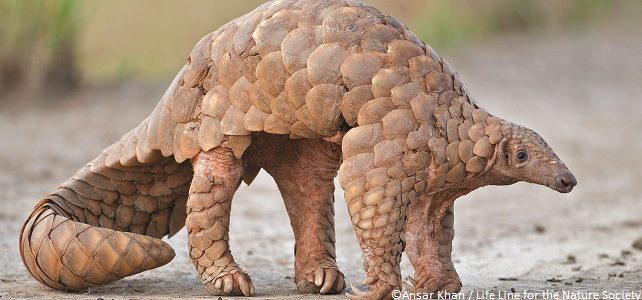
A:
{"points": [[305, 68]]}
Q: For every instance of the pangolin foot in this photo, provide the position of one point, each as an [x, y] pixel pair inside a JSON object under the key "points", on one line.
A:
{"points": [[428, 284], [322, 281], [379, 290], [231, 284]]}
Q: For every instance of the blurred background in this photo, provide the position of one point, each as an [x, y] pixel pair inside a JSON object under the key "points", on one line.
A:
{"points": [[76, 75], [63, 43]]}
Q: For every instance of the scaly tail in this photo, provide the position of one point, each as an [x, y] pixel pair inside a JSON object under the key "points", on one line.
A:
{"points": [[64, 254], [105, 223]]}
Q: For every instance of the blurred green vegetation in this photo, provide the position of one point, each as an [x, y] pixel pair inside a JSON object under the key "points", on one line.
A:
{"points": [[38, 44], [447, 24], [44, 41]]}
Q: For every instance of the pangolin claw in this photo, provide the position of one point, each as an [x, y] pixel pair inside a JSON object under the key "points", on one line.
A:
{"points": [[318, 276], [379, 291], [237, 284], [355, 291], [322, 281], [244, 284], [409, 284], [218, 283], [369, 280], [330, 278]]}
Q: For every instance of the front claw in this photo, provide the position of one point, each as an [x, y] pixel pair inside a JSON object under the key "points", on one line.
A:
{"points": [[380, 290], [322, 281], [236, 284]]}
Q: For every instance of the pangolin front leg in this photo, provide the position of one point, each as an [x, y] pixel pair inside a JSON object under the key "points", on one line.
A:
{"points": [[306, 182], [217, 174], [378, 215], [429, 236]]}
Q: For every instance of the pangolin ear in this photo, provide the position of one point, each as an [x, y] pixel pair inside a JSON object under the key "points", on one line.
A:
{"points": [[502, 151], [500, 154]]}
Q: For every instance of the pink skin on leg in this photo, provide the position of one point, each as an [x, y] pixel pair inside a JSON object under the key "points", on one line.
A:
{"points": [[429, 235], [304, 171]]}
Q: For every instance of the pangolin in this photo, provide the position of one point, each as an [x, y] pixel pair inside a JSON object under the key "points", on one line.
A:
{"points": [[302, 89]]}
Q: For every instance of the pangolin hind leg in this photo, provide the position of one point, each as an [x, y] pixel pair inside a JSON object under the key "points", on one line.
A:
{"points": [[217, 174], [429, 236], [304, 171]]}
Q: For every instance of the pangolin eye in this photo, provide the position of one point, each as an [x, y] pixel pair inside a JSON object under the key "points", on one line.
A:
{"points": [[521, 156]]}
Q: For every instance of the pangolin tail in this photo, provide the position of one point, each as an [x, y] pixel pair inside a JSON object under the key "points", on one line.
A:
{"points": [[106, 222], [64, 254]]}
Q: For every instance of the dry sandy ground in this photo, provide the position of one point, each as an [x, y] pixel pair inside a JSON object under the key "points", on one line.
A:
{"points": [[580, 91]]}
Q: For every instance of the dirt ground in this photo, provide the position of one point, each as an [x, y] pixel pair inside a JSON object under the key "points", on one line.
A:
{"points": [[580, 91]]}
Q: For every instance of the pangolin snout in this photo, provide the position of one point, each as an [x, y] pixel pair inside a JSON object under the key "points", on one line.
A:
{"points": [[565, 182]]}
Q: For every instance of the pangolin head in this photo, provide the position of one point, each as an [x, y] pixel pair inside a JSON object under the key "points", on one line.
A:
{"points": [[523, 155]]}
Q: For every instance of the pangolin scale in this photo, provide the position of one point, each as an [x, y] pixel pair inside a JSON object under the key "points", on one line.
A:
{"points": [[303, 89]]}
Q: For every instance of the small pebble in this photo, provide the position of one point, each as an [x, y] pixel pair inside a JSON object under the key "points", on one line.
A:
{"points": [[540, 229], [570, 259], [507, 279], [618, 263]]}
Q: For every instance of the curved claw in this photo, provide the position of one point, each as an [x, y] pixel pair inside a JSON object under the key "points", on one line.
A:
{"points": [[409, 284], [322, 281], [218, 283], [342, 284], [380, 291], [244, 284], [330, 278], [355, 291], [369, 280], [237, 284], [318, 276]]}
